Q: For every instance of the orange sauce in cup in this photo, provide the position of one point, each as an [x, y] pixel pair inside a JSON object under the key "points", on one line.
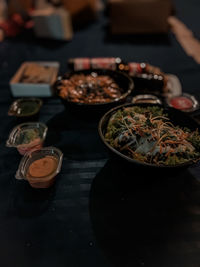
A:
{"points": [[42, 167]]}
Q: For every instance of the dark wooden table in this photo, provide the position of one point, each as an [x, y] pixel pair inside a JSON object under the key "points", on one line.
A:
{"points": [[100, 212]]}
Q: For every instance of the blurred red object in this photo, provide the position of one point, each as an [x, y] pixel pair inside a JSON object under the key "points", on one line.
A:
{"points": [[14, 25]]}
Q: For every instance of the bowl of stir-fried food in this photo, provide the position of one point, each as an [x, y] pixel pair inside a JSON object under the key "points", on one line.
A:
{"points": [[151, 135], [93, 89]]}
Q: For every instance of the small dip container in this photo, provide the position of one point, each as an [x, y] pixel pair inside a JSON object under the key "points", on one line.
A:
{"points": [[25, 108], [27, 137], [40, 167], [146, 99], [184, 102]]}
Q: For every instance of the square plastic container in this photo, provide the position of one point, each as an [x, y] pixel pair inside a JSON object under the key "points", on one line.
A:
{"points": [[25, 89], [36, 162], [21, 134]]}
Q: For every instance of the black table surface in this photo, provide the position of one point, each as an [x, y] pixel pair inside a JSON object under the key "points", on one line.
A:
{"points": [[100, 212]]}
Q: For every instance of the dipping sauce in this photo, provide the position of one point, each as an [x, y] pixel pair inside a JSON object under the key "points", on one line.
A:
{"points": [[42, 167], [181, 103], [184, 102], [27, 136], [32, 146], [25, 107], [28, 139], [90, 89]]}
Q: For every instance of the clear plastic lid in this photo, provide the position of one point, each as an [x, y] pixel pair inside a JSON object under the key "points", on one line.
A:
{"points": [[23, 171], [28, 134]]}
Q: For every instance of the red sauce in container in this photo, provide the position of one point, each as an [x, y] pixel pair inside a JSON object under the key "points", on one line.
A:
{"points": [[184, 102], [181, 102]]}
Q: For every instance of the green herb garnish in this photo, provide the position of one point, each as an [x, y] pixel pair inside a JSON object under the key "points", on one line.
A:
{"points": [[146, 134], [28, 135]]}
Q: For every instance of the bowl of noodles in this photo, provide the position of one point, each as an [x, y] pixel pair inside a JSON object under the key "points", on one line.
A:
{"points": [[151, 135], [93, 90]]}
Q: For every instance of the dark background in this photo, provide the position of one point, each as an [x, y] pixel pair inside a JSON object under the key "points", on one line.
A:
{"points": [[100, 212]]}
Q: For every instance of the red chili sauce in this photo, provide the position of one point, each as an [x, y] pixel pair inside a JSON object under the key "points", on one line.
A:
{"points": [[181, 102]]}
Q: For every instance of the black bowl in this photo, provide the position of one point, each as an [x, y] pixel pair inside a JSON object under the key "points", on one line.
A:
{"points": [[177, 117], [122, 79]]}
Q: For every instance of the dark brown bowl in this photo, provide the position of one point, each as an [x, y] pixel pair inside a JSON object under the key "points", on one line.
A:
{"points": [[122, 79], [176, 117]]}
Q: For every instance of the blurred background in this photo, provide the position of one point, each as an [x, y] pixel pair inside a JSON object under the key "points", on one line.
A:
{"points": [[134, 30]]}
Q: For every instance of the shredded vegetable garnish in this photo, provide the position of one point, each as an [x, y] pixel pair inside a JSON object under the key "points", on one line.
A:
{"points": [[146, 134]]}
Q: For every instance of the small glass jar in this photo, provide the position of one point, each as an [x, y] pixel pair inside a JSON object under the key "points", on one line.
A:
{"points": [[40, 167], [27, 137]]}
